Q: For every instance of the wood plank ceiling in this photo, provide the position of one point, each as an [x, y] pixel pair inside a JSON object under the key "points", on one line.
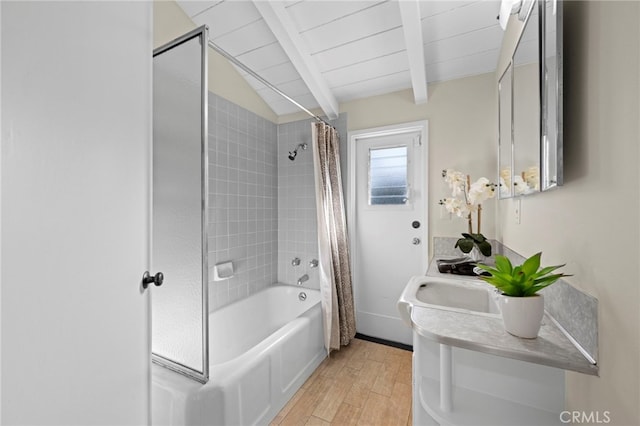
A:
{"points": [[324, 52]]}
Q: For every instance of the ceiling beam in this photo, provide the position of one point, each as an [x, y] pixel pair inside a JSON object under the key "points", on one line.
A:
{"points": [[412, 28], [282, 27]]}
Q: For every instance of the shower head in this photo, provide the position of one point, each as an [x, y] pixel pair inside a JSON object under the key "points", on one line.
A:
{"points": [[292, 154]]}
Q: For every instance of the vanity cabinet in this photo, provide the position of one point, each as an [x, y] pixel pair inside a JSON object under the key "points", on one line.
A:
{"points": [[455, 386]]}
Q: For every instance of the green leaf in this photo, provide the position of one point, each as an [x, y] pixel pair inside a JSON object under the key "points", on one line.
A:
{"points": [[504, 287], [543, 282], [544, 271], [523, 280], [517, 273], [531, 265], [550, 279], [503, 264], [484, 247], [516, 292], [510, 290], [466, 245], [487, 268], [478, 238], [526, 282], [500, 277]]}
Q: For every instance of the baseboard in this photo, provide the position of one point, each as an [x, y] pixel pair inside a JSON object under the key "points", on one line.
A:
{"points": [[384, 342]]}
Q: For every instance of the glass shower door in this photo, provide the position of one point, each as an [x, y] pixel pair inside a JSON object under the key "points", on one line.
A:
{"points": [[179, 206]]}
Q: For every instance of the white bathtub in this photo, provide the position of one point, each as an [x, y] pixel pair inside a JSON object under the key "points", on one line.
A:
{"points": [[262, 349]]}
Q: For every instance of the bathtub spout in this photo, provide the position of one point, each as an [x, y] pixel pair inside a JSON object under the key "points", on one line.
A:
{"points": [[303, 278]]}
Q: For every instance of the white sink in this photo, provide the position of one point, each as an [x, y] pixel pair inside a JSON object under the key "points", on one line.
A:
{"points": [[459, 295]]}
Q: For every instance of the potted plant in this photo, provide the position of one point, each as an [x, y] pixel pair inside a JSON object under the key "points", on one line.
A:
{"points": [[466, 199], [521, 306]]}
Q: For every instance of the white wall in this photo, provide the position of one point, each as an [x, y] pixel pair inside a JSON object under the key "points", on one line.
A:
{"points": [[591, 223], [0, 211], [169, 22], [76, 133]]}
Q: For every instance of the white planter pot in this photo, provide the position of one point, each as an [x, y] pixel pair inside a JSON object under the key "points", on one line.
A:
{"points": [[522, 316]]}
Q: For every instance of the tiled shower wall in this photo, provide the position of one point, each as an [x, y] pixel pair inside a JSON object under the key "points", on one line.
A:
{"points": [[262, 208], [242, 200], [297, 226]]}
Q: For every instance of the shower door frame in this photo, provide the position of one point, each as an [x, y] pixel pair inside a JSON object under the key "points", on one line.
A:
{"points": [[203, 33]]}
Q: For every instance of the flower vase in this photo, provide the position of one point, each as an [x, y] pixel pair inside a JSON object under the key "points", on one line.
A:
{"points": [[475, 255]]}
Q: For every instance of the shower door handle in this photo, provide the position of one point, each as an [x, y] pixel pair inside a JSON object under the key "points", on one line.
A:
{"points": [[156, 279]]}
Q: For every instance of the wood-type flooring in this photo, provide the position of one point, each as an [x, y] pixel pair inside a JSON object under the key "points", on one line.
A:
{"points": [[364, 383]]}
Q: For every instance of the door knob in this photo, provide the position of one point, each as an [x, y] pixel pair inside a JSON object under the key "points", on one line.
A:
{"points": [[147, 279], [416, 241]]}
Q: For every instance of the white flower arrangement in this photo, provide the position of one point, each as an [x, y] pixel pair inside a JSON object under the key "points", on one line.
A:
{"points": [[466, 199], [505, 181], [528, 181]]}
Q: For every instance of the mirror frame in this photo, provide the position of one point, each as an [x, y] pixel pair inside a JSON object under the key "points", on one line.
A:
{"points": [[505, 138]]}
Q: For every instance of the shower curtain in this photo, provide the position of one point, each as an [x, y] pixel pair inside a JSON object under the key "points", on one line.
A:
{"points": [[335, 270]]}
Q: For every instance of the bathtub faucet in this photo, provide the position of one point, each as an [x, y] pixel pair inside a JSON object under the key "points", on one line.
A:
{"points": [[303, 278]]}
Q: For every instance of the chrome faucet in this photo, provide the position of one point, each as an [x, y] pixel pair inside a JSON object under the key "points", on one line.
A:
{"points": [[303, 278]]}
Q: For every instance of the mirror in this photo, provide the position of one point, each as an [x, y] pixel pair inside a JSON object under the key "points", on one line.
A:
{"points": [[505, 135], [526, 108], [531, 87], [552, 116]]}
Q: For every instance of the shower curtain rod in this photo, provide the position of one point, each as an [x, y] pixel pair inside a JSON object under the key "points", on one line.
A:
{"points": [[262, 80]]}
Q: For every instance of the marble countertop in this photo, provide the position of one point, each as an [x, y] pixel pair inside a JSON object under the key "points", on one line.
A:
{"points": [[486, 333]]}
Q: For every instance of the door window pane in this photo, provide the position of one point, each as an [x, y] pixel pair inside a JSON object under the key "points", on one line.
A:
{"points": [[388, 176]]}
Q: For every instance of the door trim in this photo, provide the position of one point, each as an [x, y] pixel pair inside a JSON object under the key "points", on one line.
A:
{"points": [[396, 129]]}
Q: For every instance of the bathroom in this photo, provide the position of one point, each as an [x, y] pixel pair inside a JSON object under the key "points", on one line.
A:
{"points": [[76, 137]]}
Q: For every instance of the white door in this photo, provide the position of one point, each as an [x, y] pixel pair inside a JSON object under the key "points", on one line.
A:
{"points": [[390, 225], [76, 139]]}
